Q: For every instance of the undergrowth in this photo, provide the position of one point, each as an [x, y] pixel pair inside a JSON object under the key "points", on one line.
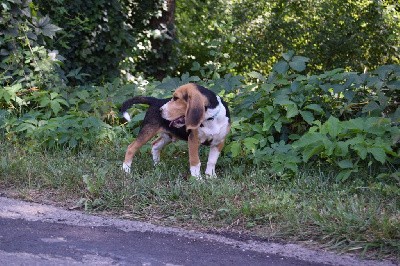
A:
{"points": [[359, 215]]}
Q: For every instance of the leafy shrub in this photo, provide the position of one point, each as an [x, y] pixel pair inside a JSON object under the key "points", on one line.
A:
{"points": [[348, 143], [25, 60], [67, 131], [285, 106], [251, 35], [101, 38]]}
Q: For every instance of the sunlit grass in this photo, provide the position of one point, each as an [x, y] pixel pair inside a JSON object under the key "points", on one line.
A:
{"points": [[361, 215]]}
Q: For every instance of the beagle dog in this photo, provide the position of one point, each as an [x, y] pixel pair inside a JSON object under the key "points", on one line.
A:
{"points": [[194, 114]]}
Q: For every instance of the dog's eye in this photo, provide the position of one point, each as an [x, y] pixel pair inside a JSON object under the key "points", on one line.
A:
{"points": [[175, 98]]}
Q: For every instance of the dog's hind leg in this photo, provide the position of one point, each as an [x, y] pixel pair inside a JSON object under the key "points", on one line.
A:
{"points": [[145, 134], [158, 145]]}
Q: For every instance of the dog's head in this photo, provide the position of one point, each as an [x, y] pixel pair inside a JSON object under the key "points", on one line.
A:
{"points": [[187, 107]]}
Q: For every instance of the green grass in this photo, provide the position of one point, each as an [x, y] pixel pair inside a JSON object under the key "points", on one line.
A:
{"points": [[361, 215]]}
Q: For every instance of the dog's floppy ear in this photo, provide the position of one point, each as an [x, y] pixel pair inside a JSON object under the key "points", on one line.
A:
{"points": [[195, 109]]}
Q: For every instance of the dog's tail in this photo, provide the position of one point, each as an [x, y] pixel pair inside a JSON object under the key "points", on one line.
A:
{"points": [[137, 100]]}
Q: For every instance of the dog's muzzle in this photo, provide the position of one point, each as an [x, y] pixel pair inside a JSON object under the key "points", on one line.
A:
{"points": [[178, 122]]}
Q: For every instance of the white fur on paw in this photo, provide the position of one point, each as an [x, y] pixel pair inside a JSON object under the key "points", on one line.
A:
{"points": [[195, 171], [212, 176], [126, 168], [210, 172]]}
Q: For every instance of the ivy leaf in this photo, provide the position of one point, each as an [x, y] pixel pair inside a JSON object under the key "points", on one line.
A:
{"points": [[169, 84], [42, 21], [298, 58], [83, 94], [267, 87], [50, 30], [46, 28], [383, 100], [383, 71], [195, 66], [307, 154], [356, 125], [341, 148], [73, 143]]}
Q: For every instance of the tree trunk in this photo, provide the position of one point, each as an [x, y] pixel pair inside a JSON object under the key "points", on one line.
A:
{"points": [[164, 44]]}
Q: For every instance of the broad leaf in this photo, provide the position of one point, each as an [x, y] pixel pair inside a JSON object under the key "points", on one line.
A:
{"points": [[307, 116], [372, 106], [315, 107], [298, 66], [343, 175], [281, 67], [250, 143], [332, 127], [345, 164], [257, 75], [291, 111], [378, 153], [287, 56], [298, 63], [55, 106]]}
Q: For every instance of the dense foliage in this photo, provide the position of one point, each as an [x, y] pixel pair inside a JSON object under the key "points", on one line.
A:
{"points": [[339, 117], [284, 120], [103, 38], [250, 35], [25, 61]]}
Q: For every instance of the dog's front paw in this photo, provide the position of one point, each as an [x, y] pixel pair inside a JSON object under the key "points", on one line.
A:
{"points": [[195, 171], [126, 167], [211, 176], [210, 172]]}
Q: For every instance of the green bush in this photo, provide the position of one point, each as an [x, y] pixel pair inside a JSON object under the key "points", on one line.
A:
{"points": [[250, 35], [346, 144], [26, 62], [103, 38], [285, 109]]}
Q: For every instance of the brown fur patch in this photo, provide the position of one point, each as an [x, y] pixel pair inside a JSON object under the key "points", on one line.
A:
{"points": [[193, 143], [189, 102], [145, 134]]}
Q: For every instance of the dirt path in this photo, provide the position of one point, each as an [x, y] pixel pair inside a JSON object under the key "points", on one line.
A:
{"points": [[32, 233]]}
